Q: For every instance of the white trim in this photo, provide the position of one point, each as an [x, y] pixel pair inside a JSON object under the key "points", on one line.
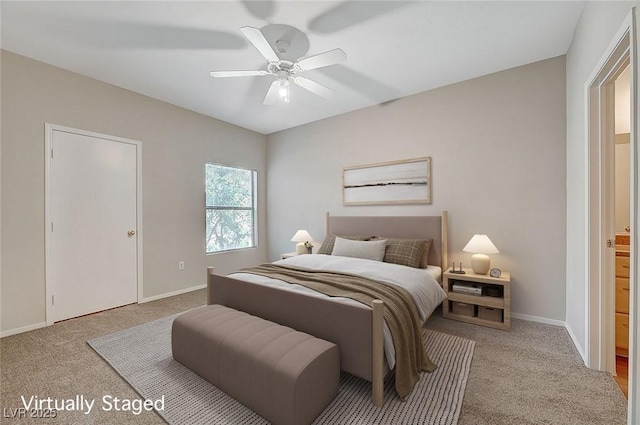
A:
{"points": [[145, 300], [633, 414], [553, 322], [599, 312], [23, 329], [48, 138], [576, 343], [537, 319], [599, 293], [174, 293], [139, 226]]}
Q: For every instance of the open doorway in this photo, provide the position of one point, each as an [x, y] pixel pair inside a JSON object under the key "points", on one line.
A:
{"points": [[622, 54], [622, 195]]}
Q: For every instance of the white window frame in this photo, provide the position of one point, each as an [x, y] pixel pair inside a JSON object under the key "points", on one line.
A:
{"points": [[253, 209]]}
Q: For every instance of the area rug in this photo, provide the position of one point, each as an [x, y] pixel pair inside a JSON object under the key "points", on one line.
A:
{"points": [[142, 356]]}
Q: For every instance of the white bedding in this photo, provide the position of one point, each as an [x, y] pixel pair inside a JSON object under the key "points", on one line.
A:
{"points": [[420, 283], [434, 271]]}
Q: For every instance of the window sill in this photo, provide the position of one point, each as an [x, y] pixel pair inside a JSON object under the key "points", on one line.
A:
{"points": [[228, 251]]}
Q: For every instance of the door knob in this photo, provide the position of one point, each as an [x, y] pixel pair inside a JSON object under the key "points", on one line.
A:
{"points": [[131, 233], [627, 229]]}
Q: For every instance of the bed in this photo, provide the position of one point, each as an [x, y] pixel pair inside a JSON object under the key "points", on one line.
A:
{"points": [[358, 330]]}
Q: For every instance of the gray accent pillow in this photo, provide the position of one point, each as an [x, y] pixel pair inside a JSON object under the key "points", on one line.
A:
{"points": [[425, 255], [407, 252], [368, 250], [327, 246]]}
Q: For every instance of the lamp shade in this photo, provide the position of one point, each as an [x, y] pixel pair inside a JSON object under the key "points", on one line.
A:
{"points": [[301, 236], [480, 244]]}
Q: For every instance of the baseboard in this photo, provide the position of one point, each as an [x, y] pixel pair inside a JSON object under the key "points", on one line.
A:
{"points": [[23, 329], [174, 293], [575, 343], [538, 319], [555, 323], [144, 300]]}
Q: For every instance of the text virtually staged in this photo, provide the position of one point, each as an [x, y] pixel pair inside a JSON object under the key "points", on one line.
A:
{"points": [[33, 406]]}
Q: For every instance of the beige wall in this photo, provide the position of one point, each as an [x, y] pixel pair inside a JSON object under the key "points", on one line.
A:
{"points": [[175, 145], [597, 26], [498, 164], [622, 186]]}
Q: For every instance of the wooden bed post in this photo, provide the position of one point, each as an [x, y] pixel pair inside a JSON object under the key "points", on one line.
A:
{"points": [[445, 240], [209, 283], [326, 224], [377, 354]]}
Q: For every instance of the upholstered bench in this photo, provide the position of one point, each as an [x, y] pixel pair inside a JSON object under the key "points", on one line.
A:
{"points": [[287, 377]]}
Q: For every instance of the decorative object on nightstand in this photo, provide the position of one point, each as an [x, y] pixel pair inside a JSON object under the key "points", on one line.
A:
{"points": [[309, 247], [495, 272], [478, 299], [459, 271], [480, 246], [304, 240]]}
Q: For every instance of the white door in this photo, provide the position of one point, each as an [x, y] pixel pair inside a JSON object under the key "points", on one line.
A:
{"points": [[93, 253]]}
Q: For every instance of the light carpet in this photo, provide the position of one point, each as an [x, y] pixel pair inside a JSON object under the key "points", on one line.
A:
{"points": [[142, 356]]}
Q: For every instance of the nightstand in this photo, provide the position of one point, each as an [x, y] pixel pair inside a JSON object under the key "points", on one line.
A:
{"points": [[288, 255], [480, 309]]}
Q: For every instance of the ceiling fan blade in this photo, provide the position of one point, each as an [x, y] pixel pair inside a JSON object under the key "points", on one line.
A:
{"points": [[375, 90], [223, 74], [331, 57], [273, 95], [257, 39], [262, 9], [313, 87]]}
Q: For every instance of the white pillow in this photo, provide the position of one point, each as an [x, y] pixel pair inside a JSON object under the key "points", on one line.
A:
{"points": [[369, 250]]}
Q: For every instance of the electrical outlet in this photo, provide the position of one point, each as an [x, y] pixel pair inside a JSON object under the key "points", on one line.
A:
{"points": [[180, 265]]}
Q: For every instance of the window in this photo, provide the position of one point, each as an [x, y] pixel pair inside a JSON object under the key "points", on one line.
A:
{"points": [[230, 208]]}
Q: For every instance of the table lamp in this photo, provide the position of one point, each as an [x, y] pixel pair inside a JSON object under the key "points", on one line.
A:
{"points": [[302, 237], [480, 245]]}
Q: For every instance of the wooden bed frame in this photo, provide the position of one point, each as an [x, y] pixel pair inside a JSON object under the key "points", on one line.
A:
{"points": [[356, 330]]}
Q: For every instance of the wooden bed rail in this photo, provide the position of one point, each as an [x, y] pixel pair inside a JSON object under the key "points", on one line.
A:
{"points": [[377, 354], [210, 273], [444, 241], [378, 364]]}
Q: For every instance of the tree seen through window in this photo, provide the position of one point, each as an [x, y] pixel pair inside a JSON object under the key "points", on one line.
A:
{"points": [[230, 208]]}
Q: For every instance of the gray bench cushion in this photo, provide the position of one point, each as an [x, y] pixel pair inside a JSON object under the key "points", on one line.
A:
{"points": [[287, 377]]}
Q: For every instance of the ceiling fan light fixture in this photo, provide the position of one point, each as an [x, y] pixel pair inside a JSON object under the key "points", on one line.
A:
{"points": [[285, 70], [283, 91]]}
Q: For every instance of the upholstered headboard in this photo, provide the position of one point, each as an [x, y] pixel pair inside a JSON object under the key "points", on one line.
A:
{"points": [[403, 227]]}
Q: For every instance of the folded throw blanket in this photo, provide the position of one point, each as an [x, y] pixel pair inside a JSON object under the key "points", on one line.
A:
{"points": [[400, 313]]}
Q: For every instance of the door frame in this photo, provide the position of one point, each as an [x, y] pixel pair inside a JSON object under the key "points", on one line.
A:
{"points": [[48, 196], [600, 264]]}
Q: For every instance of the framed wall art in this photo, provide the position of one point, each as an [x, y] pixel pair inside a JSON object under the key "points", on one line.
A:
{"points": [[396, 182]]}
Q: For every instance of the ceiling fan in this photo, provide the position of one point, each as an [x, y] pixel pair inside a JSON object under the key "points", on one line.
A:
{"points": [[285, 71]]}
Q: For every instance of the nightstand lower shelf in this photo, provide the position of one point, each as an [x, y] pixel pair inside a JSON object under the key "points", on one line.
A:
{"points": [[483, 300], [479, 309], [477, 321]]}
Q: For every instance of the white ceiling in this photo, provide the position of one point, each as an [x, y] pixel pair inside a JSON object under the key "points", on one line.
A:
{"points": [[165, 50]]}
